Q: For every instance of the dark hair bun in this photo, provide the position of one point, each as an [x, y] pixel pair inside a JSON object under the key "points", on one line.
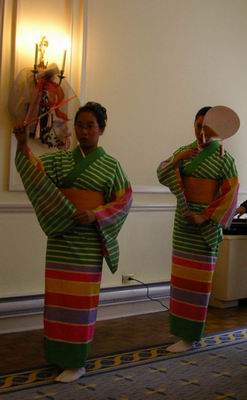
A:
{"points": [[97, 107]]}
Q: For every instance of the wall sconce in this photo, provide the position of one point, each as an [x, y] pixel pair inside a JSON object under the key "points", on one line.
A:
{"points": [[40, 64], [40, 97]]}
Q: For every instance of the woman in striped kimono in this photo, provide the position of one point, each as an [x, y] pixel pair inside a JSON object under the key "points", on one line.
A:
{"points": [[205, 183], [81, 199]]}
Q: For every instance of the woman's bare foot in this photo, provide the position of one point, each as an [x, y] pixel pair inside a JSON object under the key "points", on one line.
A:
{"points": [[70, 375]]}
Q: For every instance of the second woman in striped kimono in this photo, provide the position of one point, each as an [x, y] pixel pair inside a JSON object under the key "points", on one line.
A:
{"points": [[205, 183]]}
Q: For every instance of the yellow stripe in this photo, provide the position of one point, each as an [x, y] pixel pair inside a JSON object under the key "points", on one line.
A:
{"points": [[73, 288], [191, 273]]}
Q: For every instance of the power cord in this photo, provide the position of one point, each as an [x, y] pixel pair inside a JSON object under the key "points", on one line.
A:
{"points": [[148, 295]]}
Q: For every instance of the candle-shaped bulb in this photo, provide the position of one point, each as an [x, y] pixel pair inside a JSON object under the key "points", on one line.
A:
{"points": [[64, 59], [36, 55]]}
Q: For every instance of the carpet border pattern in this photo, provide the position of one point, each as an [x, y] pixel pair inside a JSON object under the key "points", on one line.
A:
{"points": [[45, 375]]}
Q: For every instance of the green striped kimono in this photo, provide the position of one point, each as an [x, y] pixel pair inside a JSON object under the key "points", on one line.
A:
{"points": [[75, 252], [195, 247]]}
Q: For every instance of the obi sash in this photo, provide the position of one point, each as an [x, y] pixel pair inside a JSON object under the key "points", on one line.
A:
{"points": [[83, 199], [199, 190]]}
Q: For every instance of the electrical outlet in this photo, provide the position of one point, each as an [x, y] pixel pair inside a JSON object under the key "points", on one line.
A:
{"points": [[127, 278]]}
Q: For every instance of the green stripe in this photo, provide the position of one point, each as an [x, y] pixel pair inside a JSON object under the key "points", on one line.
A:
{"points": [[66, 355], [185, 329]]}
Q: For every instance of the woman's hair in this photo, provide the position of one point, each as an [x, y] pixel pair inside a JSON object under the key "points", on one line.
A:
{"points": [[95, 108], [202, 111]]}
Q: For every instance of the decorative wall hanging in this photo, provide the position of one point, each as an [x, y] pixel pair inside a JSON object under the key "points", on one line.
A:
{"points": [[41, 99]]}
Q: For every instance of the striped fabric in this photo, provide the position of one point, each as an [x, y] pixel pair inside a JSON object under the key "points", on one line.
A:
{"points": [[54, 212], [75, 252], [195, 247]]}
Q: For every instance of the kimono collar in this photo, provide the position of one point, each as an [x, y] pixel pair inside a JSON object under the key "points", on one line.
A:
{"points": [[81, 163], [78, 155], [201, 157]]}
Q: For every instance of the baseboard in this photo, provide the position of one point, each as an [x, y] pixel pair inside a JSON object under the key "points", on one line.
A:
{"points": [[25, 313]]}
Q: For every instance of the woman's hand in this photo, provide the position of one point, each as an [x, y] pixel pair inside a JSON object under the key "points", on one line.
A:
{"points": [[240, 211], [183, 155], [86, 217], [194, 218], [21, 137]]}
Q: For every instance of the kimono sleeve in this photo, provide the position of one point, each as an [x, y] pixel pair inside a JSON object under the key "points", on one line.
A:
{"points": [[49, 163], [222, 209], [54, 212], [169, 176], [111, 216]]}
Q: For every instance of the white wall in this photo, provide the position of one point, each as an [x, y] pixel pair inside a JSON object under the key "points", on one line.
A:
{"points": [[152, 63], [145, 243]]}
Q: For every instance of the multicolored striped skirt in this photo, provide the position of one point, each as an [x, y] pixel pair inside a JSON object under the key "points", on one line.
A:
{"points": [[73, 270], [73, 277], [193, 264]]}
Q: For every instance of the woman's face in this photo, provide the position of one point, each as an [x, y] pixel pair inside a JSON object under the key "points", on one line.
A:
{"points": [[206, 135], [87, 131], [198, 129]]}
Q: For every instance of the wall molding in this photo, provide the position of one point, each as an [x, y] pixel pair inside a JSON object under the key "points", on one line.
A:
{"points": [[143, 189], [137, 207], [16, 208], [23, 313], [25, 208], [150, 189], [10, 207]]}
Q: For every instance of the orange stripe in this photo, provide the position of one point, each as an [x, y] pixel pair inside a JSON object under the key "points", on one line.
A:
{"points": [[71, 288], [192, 273]]}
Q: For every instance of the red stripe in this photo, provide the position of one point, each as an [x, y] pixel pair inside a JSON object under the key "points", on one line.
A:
{"points": [[70, 333], [188, 310], [116, 205], [204, 287], [65, 300], [193, 264], [73, 276]]}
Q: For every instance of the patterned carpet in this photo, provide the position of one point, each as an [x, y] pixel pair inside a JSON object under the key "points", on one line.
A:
{"points": [[216, 369]]}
